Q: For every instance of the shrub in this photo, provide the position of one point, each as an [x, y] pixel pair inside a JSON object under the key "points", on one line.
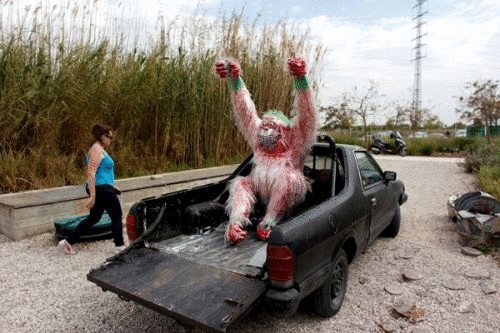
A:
{"points": [[428, 148], [489, 179], [481, 155], [347, 139], [463, 143], [484, 160], [422, 146]]}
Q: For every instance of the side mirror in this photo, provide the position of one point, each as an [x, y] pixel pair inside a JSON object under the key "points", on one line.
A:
{"points": [[389, 175]]}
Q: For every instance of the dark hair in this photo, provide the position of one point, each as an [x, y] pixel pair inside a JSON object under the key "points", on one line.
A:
{"points": [[99, 130]]}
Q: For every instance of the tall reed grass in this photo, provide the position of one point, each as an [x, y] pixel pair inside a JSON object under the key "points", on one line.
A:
{"points": [[167, 109]]}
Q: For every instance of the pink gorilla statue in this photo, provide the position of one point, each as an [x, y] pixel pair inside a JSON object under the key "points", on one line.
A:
{"points": [[280, 146]]}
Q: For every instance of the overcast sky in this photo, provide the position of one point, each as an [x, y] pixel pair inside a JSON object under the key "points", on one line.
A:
{"points": [[368, 40]]}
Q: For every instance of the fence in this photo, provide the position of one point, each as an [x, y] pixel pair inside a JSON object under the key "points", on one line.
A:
{"points": [[483, 130]]}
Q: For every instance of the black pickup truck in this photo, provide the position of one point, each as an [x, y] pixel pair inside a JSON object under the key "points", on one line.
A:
{"points": [[179, 265]]}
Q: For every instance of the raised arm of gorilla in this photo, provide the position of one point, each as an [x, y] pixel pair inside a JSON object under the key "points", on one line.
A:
{"points": [[280, 146]]}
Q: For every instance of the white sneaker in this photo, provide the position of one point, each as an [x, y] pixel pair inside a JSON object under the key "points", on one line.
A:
{"points": [[120, 248], [66, 247]]}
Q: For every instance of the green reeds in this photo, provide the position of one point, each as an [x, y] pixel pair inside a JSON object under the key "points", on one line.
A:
{"points": [[168, 111]]}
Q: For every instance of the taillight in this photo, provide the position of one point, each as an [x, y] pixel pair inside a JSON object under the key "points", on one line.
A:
{"points": [[131, 225], [280, 266]]}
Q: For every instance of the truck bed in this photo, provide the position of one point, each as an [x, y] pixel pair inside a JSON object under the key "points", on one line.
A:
{"points": [[247, 258], [195, 279]]}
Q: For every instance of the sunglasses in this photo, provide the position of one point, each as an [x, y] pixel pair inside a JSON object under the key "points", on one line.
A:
{"points": [[109, 136]]}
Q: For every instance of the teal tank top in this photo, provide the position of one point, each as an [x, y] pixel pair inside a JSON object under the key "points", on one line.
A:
{"points": [[105, 174]]}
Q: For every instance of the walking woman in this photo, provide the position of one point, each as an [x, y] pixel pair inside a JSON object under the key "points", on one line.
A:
{"points": [[100, 187]]}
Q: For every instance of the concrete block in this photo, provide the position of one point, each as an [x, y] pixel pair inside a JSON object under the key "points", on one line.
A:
{"points": [[25, 214]]}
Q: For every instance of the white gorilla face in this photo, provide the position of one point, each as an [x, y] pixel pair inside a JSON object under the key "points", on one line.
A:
{"points": [[269, 133]]}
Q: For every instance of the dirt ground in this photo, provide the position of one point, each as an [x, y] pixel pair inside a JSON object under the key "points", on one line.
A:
{"points": [[44, 290]]}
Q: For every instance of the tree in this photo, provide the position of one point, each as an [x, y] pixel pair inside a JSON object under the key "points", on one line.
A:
{"points": [[457, 125], [398, 114], [337, 116], [482, 105], [359, 104], [362, 104], [416, 117], [431, 121], [423, 118]]}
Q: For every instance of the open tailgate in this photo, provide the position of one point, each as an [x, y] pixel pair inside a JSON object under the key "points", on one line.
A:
{"points": [[190, 292]]}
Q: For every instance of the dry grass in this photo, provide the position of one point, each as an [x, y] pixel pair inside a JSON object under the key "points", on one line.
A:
{"points": [[167, 109]]}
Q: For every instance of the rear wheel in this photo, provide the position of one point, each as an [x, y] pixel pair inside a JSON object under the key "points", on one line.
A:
{"points": [[392, 229], [402, 151], [329, 297]]}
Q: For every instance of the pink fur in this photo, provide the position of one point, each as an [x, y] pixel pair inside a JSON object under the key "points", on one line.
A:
{"points": [[276, 178]]}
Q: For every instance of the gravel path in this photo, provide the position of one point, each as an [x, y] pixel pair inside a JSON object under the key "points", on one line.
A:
{"points": [[44, 290]]}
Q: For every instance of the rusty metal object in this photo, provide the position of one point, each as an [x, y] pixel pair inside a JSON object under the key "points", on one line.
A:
{"points": [[477, 215]]}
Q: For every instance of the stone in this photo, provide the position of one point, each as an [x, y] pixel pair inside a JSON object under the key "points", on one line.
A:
{"points": [[487, 288], [388, 327], [385, 325], [471, 252], [416, 315], [362, 280], [477, 274], [420, 330], [422, 293], [466, 307], [403, 308], [410, 311], [393, 289], [406, 255], [410, 275], [453, 284]]}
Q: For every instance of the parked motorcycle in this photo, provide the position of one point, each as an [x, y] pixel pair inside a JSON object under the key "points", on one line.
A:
{"points": [[399, 146]]}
